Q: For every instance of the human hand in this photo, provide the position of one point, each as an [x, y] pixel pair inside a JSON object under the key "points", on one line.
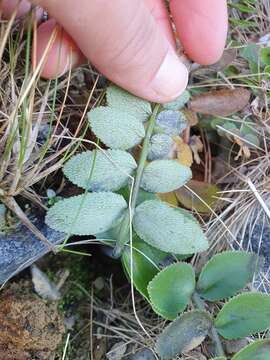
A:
{"points": [[130, 41]]}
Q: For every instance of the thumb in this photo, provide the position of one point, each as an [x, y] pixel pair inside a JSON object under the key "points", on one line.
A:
{"points": [[125, 43]]}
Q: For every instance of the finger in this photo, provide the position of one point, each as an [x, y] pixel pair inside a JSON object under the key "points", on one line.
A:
{"points": [[159, 12], [9, 6], [202, 28], [125, 44], [56, 65], [62, 55]]}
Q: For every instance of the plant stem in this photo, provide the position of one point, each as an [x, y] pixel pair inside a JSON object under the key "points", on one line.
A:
{"points": [[124, 230], [199, 303]]}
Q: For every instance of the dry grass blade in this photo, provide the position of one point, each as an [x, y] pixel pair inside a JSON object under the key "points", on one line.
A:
{"points": [[32, 113]]}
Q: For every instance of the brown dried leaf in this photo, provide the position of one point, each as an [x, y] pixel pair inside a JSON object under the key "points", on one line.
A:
{"points": [[181, 151], [207, 192], [170, 198], [220, 102]]}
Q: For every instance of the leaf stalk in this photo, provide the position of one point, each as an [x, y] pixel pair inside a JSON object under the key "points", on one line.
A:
{"points": [[124, 229]]}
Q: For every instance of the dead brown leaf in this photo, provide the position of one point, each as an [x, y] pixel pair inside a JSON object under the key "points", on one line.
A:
{"points": [[206, 199], [220, 102]]}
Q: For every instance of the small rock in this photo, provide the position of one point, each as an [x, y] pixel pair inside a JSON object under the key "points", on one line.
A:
{"points": [[117, 351], [257, 240], [43, 286], [99, 349], [69, 322], [99, 283]]}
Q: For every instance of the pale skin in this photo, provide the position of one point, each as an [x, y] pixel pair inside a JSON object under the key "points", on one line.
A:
{"points": [[130, 41]]}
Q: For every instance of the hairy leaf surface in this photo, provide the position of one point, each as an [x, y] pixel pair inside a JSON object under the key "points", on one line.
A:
{"points": [[86, 214], [162, 176], [126, 102], [116, 128], [103, 171], [169, 229]]}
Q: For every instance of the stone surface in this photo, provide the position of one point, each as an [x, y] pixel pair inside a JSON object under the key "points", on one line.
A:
{"points": [[20, 248], [257, 240]]}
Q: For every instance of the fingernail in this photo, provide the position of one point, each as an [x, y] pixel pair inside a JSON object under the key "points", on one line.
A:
{"points": [[73, 60], [171, 78]]}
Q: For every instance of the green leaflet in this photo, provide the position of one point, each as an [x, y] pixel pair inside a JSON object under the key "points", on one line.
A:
{"points": [[251, 52], [146, 262], [160, 147], [179, 103], [168, 229], [259, 350], [128, 103], [171, 289], [225, 274], [244, 315], [162, 176], [86, 214], [265, 55], [171, 122], [184, 334], [111, 169], [115, 128]]}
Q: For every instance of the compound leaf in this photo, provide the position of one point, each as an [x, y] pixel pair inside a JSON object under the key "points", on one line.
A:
{"points": [[169, 229], [163, 176], [86, 214], [100, 171], [244, 315], [171, 289], [259, 350], [115, 128], [184, 334], [126, 102], [225, 274], [146, 262]]}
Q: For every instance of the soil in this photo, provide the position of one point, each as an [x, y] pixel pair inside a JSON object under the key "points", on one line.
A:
{"points": [[30, 328]]}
